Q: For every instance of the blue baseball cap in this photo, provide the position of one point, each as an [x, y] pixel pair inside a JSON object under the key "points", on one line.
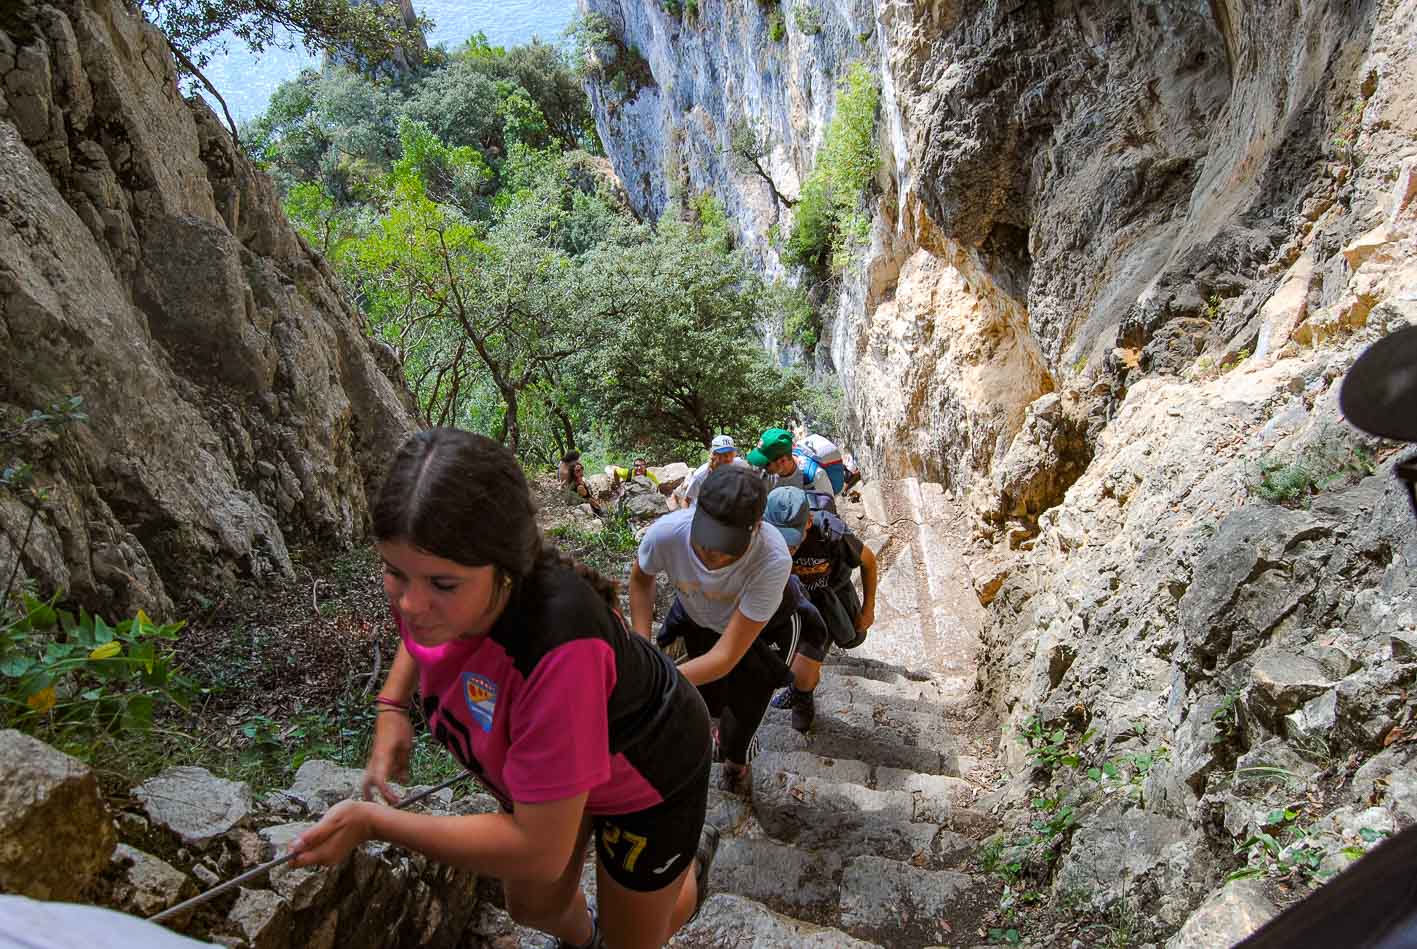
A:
{"points": [[788, 511]]}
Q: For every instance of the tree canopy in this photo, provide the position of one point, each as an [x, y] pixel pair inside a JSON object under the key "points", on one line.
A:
{"points": [[494, 254], [370, 31]]}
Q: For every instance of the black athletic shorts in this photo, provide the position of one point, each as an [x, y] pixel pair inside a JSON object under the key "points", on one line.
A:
{"points": [[647, 850]]}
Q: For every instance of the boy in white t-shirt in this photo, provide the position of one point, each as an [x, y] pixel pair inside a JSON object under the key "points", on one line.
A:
{"points": [[730, 576], [721, 452]]}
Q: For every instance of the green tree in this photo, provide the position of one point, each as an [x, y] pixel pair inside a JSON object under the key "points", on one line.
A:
{"points": [[469, 307], [460, 103], [333, 127], [684, 361], [371, 32]]}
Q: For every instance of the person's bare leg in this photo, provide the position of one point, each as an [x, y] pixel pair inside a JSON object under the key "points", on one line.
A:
{"points": [[633, 920], [557, 908], [806, 673]]}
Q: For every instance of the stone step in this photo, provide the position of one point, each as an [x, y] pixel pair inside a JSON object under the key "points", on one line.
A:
{"points": [[800, 883], [735, 922], [873, 898], [849, 682], [868, 668], [831, 737], [879, 699], [726, 811], [901, 905], [819, 803], [884, 733]]}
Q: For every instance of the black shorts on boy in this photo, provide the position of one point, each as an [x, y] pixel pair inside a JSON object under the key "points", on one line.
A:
{"points": [[740, 699]]}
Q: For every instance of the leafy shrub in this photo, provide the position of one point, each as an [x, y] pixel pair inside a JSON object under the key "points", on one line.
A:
{"points": [[777, 29], [1050, 747], [78, 674], [809, 19], [801, 324], [1321, 466], [830, 222], [72, 676]]}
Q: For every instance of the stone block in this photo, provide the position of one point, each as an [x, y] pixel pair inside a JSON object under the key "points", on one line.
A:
{"points": [[263, 918], [148, 885], [788, 879], [194, 804], [728, 920], [56, 836], [1226, 917], [301, 887], [898, 903], [319, 785]]}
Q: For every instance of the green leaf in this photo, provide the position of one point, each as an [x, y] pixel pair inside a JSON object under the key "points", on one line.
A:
{"points": [[1095, 774], [56, 652], [16, 665], [103, 633], [41, 615], [138, 713], [107, 651], [144, 653], [1369, 835]]}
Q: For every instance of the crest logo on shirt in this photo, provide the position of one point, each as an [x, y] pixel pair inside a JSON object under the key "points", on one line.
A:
{"points": [[480, 693]]}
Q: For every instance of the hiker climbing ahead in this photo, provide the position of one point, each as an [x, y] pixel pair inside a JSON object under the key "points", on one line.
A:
{"points": [[731, 578], [787, 466], [722, 451], [824, 553], [529, 678]]}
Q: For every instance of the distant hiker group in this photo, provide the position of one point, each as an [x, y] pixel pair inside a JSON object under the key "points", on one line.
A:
{"points": [[756, 608]]}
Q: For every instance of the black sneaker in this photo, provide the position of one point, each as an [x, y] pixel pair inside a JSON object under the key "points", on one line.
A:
{"points": [[708, 846], [804, 711], [735, 778], [803, 705]]}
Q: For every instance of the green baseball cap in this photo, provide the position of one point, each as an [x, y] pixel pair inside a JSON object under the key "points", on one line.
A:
{"points": [[775, 443]]}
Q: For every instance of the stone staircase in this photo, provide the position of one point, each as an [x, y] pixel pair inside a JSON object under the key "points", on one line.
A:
{"points": [[860, 833]]}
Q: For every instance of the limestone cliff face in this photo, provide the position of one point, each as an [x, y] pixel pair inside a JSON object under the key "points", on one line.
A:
{"points": [[1080, 177], [1122, 255], [235, 406]]}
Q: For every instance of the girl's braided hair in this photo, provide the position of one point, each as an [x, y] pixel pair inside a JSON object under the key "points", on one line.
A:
{"points": [[463, 497]]}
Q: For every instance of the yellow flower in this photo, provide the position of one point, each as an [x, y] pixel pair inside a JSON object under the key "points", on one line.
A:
{"points": [[41, 701], [107, 650]]}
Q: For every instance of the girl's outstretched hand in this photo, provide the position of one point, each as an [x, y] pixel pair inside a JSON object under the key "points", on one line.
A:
{"points": [[388, 756], [344, 827]]}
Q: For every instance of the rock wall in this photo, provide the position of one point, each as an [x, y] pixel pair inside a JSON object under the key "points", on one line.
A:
{"points": [[1121, 257], [188, 831], [234, 405]]}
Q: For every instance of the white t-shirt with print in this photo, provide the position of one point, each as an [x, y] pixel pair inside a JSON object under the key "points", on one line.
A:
{"points": [[695, 481], [752, 584]]}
